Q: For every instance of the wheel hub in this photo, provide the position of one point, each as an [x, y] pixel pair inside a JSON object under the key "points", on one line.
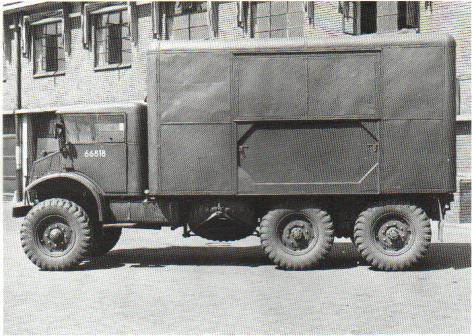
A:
{"points": [[393, 235], [297, 234], [56, 237]]}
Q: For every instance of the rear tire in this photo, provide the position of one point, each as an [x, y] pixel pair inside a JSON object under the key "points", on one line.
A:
{"points": [[56, 235], [392, 236], [297, 239], [104, 241]]}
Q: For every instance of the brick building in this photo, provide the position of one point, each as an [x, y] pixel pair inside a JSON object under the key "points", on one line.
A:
{"points": [[66, 53]]}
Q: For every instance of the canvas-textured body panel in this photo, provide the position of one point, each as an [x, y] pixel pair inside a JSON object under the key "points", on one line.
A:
{"points": [[274, 98], [415, 157], [196, 158], [343, 84], [309, 157], [369, 115], [199, 91], [414, 83]]}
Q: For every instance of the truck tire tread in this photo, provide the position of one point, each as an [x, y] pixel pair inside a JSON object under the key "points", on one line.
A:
{"points": [[79, 221]]}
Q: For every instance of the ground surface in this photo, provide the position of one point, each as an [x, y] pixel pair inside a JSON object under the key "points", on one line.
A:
{"points": [[158, 282]]}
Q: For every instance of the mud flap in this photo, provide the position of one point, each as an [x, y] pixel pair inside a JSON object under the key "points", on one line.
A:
{"points": [[440, 223]]}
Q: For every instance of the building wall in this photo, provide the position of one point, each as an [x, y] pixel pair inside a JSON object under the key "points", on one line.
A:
{"points": [[75, 86], [453, 17], [130, 84]]}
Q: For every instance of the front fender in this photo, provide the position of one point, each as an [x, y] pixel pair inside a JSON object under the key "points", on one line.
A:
{"points": [[91, 186]]}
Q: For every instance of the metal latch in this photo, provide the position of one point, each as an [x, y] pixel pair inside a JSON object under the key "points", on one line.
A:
{"points": [[241, 150], [375, 146]]}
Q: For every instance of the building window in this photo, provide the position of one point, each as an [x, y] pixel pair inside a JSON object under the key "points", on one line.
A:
{"points": [[408, 15], [278, 19], [359, 17], [188, 21], [48, 48], [112, 39]]}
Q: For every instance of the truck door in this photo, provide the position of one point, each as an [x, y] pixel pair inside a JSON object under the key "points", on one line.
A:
{"points": [[307, 123], [98, 148]]}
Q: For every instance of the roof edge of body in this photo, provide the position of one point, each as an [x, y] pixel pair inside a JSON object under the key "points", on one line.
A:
{"points": [[370, 41]]}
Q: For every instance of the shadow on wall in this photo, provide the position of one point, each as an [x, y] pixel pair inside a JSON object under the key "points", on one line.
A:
{"points": [[344, 255]]}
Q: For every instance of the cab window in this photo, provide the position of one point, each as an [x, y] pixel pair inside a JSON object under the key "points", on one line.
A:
{"points": [[93, 128]]}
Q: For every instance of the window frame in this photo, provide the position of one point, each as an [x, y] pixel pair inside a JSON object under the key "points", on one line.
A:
{"points": [[38, 30], [288, 27], [97, 18], [403, 17], [187, 13], [96, 115]]}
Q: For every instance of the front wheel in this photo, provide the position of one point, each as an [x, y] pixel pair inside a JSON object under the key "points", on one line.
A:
{"points": [[56, 235], [104, 240], [392, 236], [297, 239]]}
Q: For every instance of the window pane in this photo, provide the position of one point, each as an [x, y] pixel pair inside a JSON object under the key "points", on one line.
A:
{"points": [[263, 9], [101, 47], [124, 16], [51, 29], [103, 19], [181, 21], [101, 59], [38, 50], [78, 128], [126, 44], [263, 35], [278, 33], [263, 24], [126, 57], [114, 44], [61, 65], [278, 22], [295, 6], [278, 7], [295, 32], [198, 19], [110, 129], [100, 35], [51, 53], [295, 19], [199, 33], [114, 18], [125, 31], [181, 34]]}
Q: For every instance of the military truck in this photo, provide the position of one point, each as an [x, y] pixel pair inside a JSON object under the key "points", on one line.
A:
{"points": [[297, 141]]}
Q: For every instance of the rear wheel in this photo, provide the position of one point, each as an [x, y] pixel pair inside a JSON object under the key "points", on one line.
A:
{"points": [[56, 234], [297, 239], [392, 236]]}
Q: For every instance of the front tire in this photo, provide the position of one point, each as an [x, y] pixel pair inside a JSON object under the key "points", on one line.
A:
{"points": [[104, 241], [56, 235], [297, 239], [392, 236]]}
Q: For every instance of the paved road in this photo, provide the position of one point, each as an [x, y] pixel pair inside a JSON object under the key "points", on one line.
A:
{"points": [[158, 282]]}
